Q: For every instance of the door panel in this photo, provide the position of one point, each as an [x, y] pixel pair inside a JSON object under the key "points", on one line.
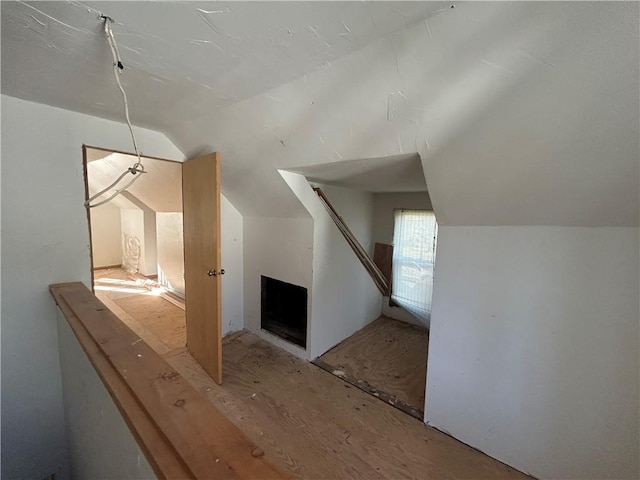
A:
{"points": [[202, 255]]}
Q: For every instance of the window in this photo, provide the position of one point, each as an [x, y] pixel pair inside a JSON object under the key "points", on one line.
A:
{"points": [[414, 246]]}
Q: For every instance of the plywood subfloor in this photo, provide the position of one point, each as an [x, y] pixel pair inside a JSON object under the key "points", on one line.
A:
{"points": [[314, 427], [388, 355], [155, 318], [163, 319]]}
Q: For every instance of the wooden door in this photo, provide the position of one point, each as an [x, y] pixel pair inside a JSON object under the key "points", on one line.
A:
{"points": [[202, 261]]}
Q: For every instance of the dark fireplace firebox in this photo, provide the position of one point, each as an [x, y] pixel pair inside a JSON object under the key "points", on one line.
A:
{"points": [[284, 310]]}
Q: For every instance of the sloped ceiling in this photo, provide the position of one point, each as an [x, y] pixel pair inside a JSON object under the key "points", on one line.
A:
{"points": [[193, 56], [398, 173], [160, 189], [522, 113]]}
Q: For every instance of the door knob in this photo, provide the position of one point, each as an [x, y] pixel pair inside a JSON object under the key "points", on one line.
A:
{"points": [[214, 272]]}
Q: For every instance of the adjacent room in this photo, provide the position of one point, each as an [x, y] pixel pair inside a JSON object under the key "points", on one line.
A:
{"points": [[315, 239], [137, 254], [380, 208]]}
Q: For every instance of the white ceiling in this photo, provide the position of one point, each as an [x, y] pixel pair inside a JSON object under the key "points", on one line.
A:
{"points": [[194, 56], [398, 173], [160, 189], [522, 113]]}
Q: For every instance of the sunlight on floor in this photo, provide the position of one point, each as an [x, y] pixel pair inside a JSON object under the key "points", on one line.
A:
{"points": [[137, 286], [156, 291]]}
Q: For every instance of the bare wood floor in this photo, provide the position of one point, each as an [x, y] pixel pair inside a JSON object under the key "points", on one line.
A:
{"points": [[137, 302], [313, 425], [387, 354]]}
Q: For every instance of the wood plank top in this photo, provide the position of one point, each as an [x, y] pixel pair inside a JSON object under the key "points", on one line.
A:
{"points": [[182, 434]]}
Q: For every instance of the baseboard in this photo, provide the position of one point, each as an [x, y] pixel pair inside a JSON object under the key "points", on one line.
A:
{"points": [[107, 267]]}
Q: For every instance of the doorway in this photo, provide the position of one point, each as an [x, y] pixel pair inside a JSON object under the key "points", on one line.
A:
{"points": [[387, 358], [137, 252], [150, 246]]}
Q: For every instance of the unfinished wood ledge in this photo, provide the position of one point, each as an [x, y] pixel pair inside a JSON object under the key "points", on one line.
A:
{"points": [[181, 433]]}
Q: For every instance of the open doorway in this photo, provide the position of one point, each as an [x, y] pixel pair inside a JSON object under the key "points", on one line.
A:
{"points": [[170, 246], [388, 357], [137, 251], [357, 332]]}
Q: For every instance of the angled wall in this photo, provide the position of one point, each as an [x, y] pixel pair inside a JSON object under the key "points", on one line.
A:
{"points": [[522, 113]]}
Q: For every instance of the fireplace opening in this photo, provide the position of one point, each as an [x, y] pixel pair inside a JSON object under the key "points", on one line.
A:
{"points": [[284, 310]]}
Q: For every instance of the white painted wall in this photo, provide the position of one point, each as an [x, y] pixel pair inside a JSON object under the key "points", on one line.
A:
{"points": [[233, 264], [280, 248], [344, 297], [45, 239], [106, 235], [170, 243], [100, 443], [533, 355], [150, 243], [143, 227], [511, 105], [132, 221], [384, 205]]}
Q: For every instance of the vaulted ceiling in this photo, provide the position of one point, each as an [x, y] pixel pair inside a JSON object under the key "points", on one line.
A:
{"points": [[182, 59], [522, 113], [398, 173], [159, 189]]}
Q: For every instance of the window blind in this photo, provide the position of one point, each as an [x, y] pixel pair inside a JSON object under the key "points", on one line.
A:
{"points": [[414, 241]]}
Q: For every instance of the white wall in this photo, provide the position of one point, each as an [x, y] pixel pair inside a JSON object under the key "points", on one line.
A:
{"points": [[511, 105], [280, 248], [143, 227], [100, 442], [170, 243], [45, 240], [344, 297], [233, 264], [106, 235], [533, 355], [150, 243], [356, 209], [134, 256]]}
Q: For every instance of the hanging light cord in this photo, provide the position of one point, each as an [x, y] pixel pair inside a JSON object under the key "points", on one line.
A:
{"points": [[137, 169]]}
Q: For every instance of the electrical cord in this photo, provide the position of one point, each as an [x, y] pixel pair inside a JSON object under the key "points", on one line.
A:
{"points": [[137, 169]]}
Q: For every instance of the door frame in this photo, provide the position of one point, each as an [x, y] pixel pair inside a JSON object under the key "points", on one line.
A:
{"points": [[217, 374], [85, 173]]}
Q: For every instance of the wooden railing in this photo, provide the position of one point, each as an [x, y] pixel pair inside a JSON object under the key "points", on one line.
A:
{"points": [[181, 433]]}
